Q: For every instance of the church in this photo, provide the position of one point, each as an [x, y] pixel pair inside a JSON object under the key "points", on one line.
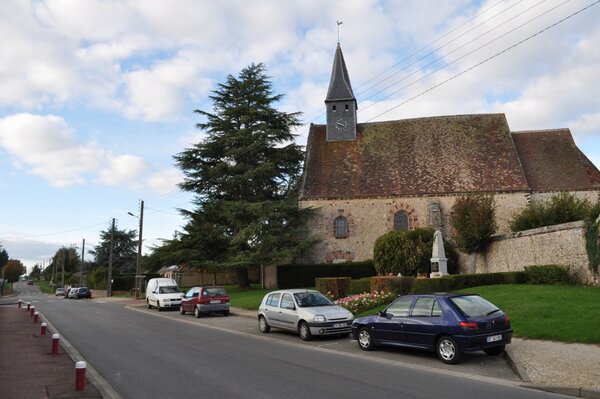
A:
{"points": [[366, 179]]}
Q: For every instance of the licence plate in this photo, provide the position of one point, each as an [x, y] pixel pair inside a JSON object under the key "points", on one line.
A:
{"points": [[338, 325], [215, 301], [494, 338]]}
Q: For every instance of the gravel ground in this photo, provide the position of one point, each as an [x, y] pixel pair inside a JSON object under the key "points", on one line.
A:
{"points": [[558, 364]]}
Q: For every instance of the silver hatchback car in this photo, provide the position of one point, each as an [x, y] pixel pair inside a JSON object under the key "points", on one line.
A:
{"points": [[308, 312]]}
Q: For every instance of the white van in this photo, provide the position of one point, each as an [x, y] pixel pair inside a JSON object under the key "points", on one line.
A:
{"points": [[163, 293]]}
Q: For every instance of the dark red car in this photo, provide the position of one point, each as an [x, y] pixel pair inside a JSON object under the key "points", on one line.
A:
{"points": [[205, 300]]}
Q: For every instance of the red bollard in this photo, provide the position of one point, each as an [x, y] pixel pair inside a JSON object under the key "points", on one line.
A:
{"points": [[35, 317], [44, 328], [31, 311], [19, 304], [55, 340], [80, 376], [28, 305]]}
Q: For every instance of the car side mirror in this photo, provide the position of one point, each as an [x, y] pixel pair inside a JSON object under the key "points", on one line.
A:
{"points": [[381, 313]]}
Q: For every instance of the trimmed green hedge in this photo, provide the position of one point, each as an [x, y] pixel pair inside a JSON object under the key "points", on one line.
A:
{"points": [[360, 286], [548, 274], [298, 276]]}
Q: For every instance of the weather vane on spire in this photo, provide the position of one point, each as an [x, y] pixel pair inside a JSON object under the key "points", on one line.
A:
{"points": [[338, 28]]}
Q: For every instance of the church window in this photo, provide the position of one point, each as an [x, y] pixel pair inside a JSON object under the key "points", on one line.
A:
{"points": [[346, 107], [341, 227], [333, 108], [401, 221]]}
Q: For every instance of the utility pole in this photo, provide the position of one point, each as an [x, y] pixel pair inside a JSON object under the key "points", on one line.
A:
{"points": [[81, 266], [138, 271], [110, 261], [63, 256]]}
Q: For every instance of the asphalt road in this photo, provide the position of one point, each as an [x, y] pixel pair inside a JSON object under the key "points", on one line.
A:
{"points": [[146, 354]]}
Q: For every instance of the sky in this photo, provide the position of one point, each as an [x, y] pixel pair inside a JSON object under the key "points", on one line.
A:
{"points": [[96, 97]]}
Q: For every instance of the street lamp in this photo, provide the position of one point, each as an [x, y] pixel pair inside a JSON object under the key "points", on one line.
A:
{"points": [[138, 272]]}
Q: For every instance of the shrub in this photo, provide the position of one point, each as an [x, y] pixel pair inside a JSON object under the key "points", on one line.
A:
{"points": [[393, 284], [560, 208], [334, 287], [548, 274], [360, 285], [294, 276], [361, 302], [474, 219]]}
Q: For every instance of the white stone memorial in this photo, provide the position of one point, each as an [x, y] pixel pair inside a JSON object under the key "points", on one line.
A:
{"points": [[439, 262]]}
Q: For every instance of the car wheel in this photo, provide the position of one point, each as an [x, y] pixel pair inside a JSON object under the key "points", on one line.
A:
{"points": [[365, 340], [495, 351], [148, 304], [304, 331], [181, 311], [263, 326], [447, 350], [226, 313], [197, 313], [158, 305]]}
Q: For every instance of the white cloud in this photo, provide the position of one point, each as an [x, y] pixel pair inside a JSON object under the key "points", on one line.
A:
{"points": [[165, 181], [122, 170]]}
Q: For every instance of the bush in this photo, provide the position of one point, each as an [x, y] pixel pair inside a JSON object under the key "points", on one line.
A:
{"points": [[296, 276], [361, 302], [409, 253], [461, 281], [548, 274], [560, 208], [474, 219], [360, 286], [334, 287], [393, 284]]}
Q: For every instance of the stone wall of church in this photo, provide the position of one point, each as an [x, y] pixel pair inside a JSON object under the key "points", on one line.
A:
{"points": [[368, 219], [562, 244]]}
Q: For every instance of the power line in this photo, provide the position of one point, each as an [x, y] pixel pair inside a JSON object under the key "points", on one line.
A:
{"points": [[487, 59]]}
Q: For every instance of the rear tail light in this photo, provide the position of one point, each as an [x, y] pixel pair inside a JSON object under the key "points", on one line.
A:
{"points": [[468, 325], [506, 320]]}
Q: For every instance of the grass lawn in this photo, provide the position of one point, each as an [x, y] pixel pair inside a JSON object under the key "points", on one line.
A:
{"points": [[245, 298], [560, 313], [44, 287]]}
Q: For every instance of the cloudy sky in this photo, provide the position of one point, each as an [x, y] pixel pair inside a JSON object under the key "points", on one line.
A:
{"points": [[97, 96]]}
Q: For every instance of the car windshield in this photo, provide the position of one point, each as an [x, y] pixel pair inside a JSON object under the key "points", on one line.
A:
{"points": [[168, 290], [309, 299], [474, 305], [213, 291]]}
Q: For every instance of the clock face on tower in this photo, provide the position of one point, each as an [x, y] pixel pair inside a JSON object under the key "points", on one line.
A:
{"points": [[341, 124]]}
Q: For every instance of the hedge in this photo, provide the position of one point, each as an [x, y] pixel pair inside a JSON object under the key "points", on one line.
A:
{"points": [[299, 276]]}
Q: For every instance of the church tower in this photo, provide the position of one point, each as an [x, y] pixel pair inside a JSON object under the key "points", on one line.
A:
{"points": [[340, 102]]}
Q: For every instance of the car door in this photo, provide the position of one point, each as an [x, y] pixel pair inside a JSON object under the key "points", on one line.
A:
{"points": [[423, 323], [187, 301], [389, 326], [271, 309], [288, 315]]}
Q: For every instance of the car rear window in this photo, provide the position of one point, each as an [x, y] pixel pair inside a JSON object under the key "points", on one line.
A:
{"points": [[214, 291], [474, 305]]}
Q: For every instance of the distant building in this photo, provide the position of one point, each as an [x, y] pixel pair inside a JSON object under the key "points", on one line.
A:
{"points": [[371, 178]]}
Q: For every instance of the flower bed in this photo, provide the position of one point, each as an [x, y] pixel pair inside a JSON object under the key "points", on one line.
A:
{"points": [[360, 302]]}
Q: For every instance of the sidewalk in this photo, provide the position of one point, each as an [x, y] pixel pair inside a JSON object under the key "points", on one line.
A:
{"points": [[29, 369]]}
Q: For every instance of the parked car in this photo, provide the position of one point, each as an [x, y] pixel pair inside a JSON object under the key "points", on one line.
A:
{"points": [[59, 292], [30, 282], [448, 324], [307, 312], [205, 300], [72, 293], [163, 293], [82, 292]]}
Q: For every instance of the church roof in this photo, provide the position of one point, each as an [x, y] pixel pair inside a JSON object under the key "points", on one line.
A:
{"points": [[440, 155], [339, 84], [552, 161]]}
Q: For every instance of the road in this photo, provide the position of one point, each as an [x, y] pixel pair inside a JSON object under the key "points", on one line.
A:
{"points": [[144, 354]]}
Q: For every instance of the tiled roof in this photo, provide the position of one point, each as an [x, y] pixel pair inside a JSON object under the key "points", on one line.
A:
{"points": [[436, 155], [552, 161]]}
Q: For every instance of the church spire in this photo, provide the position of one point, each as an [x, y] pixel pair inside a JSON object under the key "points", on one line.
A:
{"points": [[340, 102]]}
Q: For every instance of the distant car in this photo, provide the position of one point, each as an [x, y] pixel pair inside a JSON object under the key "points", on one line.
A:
{"points": [[205, 300], [448, 324], [30, 282], [82, 292], [307, 312], [60, 292], [71, 293]]}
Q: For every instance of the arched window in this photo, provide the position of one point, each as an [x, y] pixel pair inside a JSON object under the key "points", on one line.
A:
{"points": [[401, 221], [341, 227]]}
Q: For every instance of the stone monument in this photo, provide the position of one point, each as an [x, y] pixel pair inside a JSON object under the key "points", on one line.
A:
{"points": [[439, 262]]}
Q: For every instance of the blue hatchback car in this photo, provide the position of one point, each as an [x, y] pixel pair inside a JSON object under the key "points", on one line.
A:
{"points": [[448, 324]]}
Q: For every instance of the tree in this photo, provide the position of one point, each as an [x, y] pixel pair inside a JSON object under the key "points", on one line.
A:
{"points": [[245, 177], [474, 219], [36, 272], [3, 258], [124, 250], [67, 257], [13, 270]]}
